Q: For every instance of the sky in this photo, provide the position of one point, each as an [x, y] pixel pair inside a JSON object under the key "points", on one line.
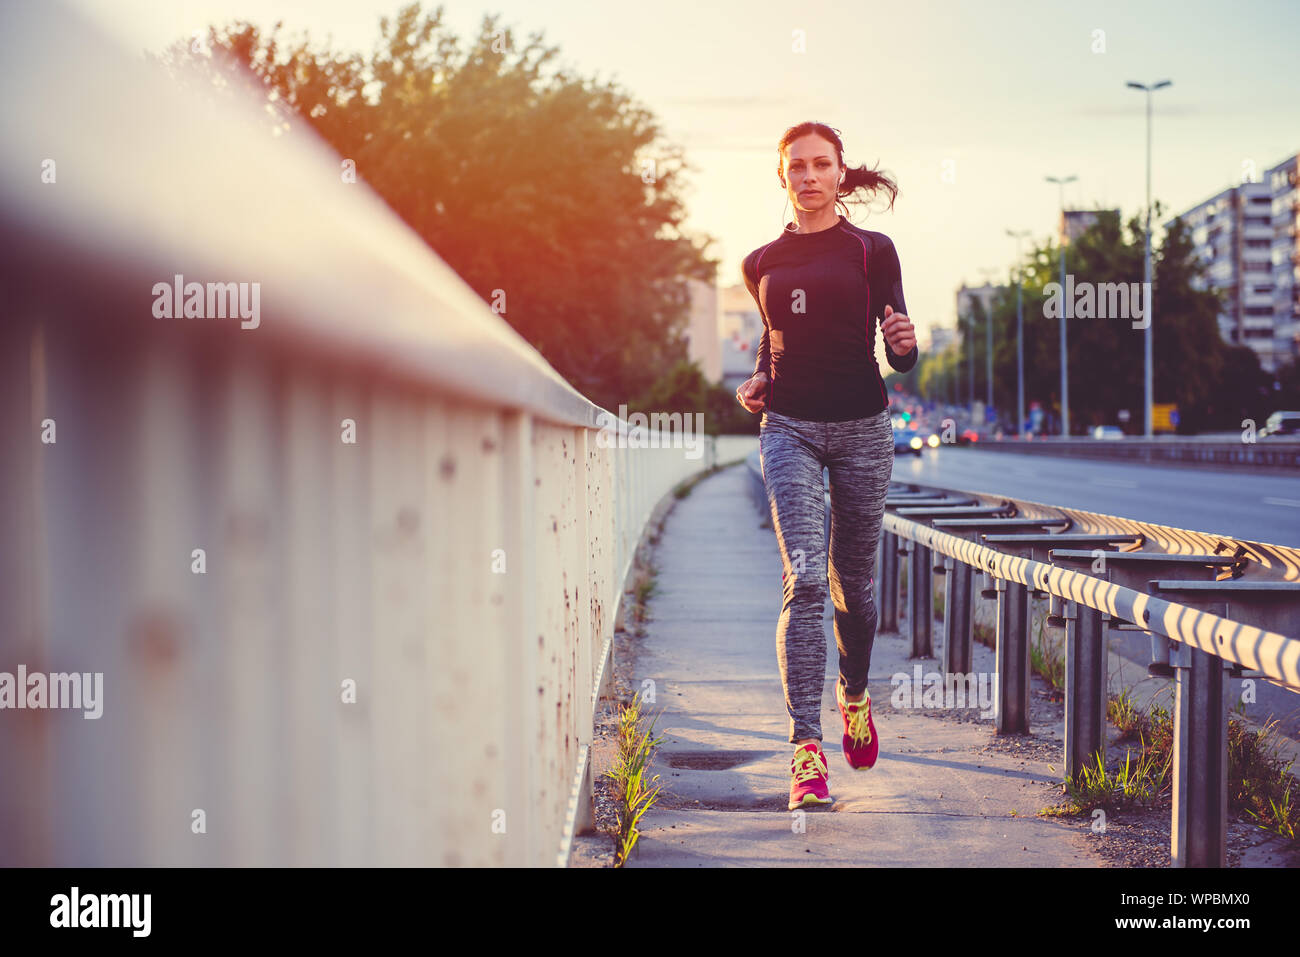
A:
{"points": [[968, 105]]}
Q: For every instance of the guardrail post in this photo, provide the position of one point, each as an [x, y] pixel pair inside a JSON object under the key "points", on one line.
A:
{"points": [[888, 583], [920, 605], [1085, 686], [957, 657], [1013, 657], [1200, 814], [905, 548]]}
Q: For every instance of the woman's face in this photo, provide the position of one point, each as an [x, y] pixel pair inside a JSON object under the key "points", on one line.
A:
{"points": [[812, 172]]}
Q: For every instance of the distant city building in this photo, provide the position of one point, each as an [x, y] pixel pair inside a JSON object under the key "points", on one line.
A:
{"points": [[1246, 236], [941, 338], [740, 327], [702, 330], [966, 296], [1075, 222]]}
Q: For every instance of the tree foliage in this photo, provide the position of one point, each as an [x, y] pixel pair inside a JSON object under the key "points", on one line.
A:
{"points": [[554, 194], [1213, 383]]}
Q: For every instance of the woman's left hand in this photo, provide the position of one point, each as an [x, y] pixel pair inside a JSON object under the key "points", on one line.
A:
{"points": [[899, 332]]}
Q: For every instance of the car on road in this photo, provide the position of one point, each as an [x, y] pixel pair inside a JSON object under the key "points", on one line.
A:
{"points": [[1282, 423], [1107, 432], [907, 442]]}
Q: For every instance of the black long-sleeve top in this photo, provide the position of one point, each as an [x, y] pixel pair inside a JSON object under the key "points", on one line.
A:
{"points": [[821, 295]]}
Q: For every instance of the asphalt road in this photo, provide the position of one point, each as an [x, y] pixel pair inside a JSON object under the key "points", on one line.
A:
{"points": [[1254, 507]]}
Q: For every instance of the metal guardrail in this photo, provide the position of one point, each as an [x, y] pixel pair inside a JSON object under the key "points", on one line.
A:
{"points": [[1214, 608], [349, 575], [1275, 454]]}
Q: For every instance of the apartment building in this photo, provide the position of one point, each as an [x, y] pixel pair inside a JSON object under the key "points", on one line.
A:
{"points": [[1075, 222], [1246, 236], [1284, 180], [967, 295], [941, 338]]}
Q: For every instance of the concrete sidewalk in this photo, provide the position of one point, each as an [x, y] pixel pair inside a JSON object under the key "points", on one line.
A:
{"points": [[946, 790]]}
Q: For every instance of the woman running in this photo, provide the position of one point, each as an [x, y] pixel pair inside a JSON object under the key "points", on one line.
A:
{"points": [[820, 287]]}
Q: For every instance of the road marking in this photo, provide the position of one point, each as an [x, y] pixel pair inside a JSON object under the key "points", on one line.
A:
{"points": [[1114, 483], [1289, 502]]}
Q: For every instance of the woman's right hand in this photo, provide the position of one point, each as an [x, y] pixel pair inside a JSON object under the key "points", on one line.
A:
{"points": [[751, 392]]}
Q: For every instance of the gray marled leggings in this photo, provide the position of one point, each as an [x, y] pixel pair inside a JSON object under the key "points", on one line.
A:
{"points": [[859, 454]]}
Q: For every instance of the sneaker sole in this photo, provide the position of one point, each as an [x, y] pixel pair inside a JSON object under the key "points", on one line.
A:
{"points": [[810, 799]]}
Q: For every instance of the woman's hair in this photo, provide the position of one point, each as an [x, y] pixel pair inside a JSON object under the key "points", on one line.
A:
{"points": [[855, 177]]}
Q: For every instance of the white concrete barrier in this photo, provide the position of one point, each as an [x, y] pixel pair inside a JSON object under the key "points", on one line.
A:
{"points": [[349, 575]]}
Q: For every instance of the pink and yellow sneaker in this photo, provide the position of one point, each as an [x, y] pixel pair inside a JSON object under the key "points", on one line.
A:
{"points": [[861, 746], [808, 777]]}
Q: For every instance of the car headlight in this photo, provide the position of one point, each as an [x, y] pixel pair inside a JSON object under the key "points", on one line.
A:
{"points": [[933, 441], [916, 442]]}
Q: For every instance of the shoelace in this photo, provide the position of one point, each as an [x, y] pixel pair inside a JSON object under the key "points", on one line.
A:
{"points": [[809, 766], [859, 729]]}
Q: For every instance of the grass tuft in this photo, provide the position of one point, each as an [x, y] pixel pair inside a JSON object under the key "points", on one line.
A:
{"points": [[1046, 660], [1260, 782], [633, 792]]}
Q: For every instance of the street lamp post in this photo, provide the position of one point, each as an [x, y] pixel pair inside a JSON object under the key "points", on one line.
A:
{"points": [[1147, 389], [1065, 380], [1020, 337]]}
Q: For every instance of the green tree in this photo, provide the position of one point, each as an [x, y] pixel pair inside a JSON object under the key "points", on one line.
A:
{"points": [[1286, 394], [1247, 394], [1192, 365], [683, 388], [1189, 356], [531, 184], [936, 377]]}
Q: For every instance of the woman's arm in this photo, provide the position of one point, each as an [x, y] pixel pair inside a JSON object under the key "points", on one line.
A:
{"points": [[888, 291], [762, 362]]}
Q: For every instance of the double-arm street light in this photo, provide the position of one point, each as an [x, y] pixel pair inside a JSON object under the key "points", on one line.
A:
{"points": [[1147, 397]]}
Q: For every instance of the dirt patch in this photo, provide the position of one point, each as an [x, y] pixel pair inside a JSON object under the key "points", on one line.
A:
{"points": [[1133, 837], [1136, 837], [670, 801], [708, 760]]}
